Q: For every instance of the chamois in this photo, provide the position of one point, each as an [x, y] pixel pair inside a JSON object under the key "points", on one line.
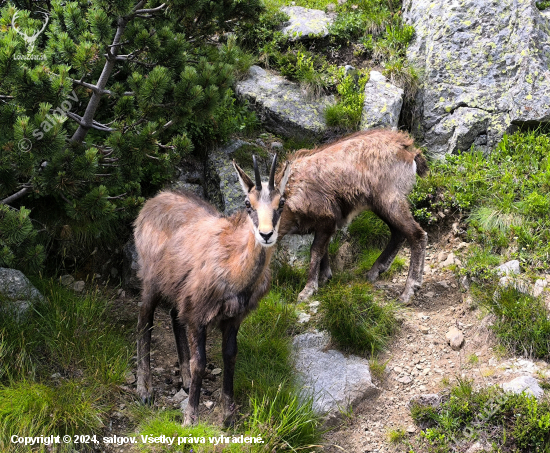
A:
{"points": [[212, 270], [369, 170]]}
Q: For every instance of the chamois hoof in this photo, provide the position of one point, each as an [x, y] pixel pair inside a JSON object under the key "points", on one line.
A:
{"points": [[147, 400], [190, 419], [372, 275], [229, 415], [306, 293], [324, 278]]}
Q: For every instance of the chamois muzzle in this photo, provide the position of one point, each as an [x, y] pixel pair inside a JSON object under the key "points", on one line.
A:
{"points": [[257, 175]]}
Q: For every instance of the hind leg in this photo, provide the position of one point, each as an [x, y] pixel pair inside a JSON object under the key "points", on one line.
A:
{"points": [[180, 335], [385, 259], [325, 273], [145, 325], [197, 365], [318, 250]]}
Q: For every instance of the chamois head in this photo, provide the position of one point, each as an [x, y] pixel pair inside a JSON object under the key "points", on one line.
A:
{"points": [[264, 203]]}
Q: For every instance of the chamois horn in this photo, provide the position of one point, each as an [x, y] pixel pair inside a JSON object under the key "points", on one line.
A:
{"points": [[271, 184], [257, 174]]}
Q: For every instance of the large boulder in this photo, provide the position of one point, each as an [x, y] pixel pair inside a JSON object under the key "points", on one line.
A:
{"points": [[305, 23], [335, 381], [17, 293], [282, 105], [383, 102], [486, 70]]}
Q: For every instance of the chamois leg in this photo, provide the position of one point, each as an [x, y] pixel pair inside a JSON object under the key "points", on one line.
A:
{"points": [[197, 364], [229, 328], [385, 259], [145, 325], [325, 273], [318, 250], [401, 219], [180, 335]]}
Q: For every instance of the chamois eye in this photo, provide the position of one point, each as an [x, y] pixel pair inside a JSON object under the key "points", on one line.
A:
{"points": [[281, 203], [247, 204]]}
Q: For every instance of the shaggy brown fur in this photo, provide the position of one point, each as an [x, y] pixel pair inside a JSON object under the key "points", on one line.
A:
{"points": [[330, 185], [211, 269]]}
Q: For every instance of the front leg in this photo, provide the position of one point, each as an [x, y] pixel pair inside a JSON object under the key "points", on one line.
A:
{"points": [[318, 250], [197, 365], [229, 328], [144, 328], [182, 348]]}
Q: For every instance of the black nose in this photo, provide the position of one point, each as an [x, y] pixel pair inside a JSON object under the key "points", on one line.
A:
{"points": [[266, 236]]}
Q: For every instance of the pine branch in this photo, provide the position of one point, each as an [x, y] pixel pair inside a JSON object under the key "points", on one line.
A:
{"points": [[15, 196], [151, 11], [95, 125]]}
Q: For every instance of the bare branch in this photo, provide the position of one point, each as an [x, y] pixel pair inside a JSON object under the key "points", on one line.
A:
{"points": [[95, 125], [15, 196], [152, 10], [118, 196]]}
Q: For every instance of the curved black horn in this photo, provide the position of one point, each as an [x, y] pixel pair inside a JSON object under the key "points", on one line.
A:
{"points": [[271, 184], [257, 174]]}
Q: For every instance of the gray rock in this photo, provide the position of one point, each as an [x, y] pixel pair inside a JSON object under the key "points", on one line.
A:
{"points": [[486, 70], [455, 338], [282, 106], [184, 404], [479, 447], [509, 268], [16, 292], [293, 249], [383, 102], [425, 400], [335, 381], [191, 177], [344, 256], [79, 286], [305, 23], [130, 267], [66, 280], [538, 289], [129, 378], [179, 397], [277, 146], [526, 384]]}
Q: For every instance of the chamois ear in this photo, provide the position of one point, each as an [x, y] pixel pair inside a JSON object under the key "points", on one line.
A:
{"points": [[246, 183], [284, 179]]}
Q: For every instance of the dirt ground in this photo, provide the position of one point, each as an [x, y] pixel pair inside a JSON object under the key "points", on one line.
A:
{"points": [[418, 359]]}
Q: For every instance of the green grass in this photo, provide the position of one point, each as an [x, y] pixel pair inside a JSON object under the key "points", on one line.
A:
{"points": [[505, 195], [347, 111], [368, 231], [522, 323], [397, 435], [511, 423], [356, 321], [74, 337], [369, 256]]}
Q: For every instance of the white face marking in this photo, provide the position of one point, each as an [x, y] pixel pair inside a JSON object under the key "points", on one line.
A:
{"points": [[265, 220]]}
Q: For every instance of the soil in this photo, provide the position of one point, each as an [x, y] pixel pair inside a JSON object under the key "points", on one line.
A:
{"points": [[418, 361]]}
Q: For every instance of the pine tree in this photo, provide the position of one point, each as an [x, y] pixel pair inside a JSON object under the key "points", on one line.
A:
{"points": [[96, 113]]}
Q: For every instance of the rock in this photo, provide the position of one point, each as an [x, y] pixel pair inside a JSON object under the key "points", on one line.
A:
{"points": [[305, 23], [424, 329], [129, 378], [425, 400], [479, 447], [383, 102], [179, 397], [449, 261], [184, 404], [411, 429], [314, 306], [209, 404], [455, 338], [485, 71], [332, 391], [404, 379], [540, 284], [191, 177], [509, 268], [79, 286], [303, 317], [464, 283], [66, 280], [526, 384], [282, 106], [17, 293], [216, 371], [293, 249], [442, 256], [130, 267], [277, 146], [344, 257], [56, 376]]}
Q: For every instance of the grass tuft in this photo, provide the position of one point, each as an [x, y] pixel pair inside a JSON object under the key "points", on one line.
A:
{"points": [[355, 320]]}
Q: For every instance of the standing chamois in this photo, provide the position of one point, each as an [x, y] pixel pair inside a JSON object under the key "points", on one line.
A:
{"points": [[212, 270], [330, 185]]}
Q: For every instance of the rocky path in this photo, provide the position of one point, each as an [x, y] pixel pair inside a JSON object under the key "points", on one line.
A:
{"points": [[420, 360]]}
